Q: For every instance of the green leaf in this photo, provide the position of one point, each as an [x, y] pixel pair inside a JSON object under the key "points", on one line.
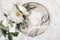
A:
{"points": [[3, 29], [29, 7], [5, 15], [18, 26], [15, 34], [18, 8], [11, 23], [4, 32], [24, 25], [10, 36], [1, 23]]}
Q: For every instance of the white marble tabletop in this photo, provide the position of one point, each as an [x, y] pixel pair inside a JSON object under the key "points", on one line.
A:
{"points": [[53, 32]]}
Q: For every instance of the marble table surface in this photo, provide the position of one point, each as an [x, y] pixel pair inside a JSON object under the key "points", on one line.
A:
{"points": [[53, 32]]}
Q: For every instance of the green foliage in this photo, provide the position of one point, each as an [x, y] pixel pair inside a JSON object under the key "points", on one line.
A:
{"points": [[11, 23], [29, 7], [15, 34], [10, 36], [4, 32], [5, 15]]}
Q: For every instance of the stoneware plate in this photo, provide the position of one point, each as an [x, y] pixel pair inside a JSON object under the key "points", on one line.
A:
{"points": [[38, 20]]}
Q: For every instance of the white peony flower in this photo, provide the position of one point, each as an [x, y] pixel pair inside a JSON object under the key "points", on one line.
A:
{"points": [[8, 8], [15, 15], [24, 10]]}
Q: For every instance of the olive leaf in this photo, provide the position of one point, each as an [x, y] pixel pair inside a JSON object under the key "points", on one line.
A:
{"points": [[1, 23], [5, 15], [10, 36], [4, 32], [29, 7], [11, 23], [18, 26], [15, 34], [24, 25], [3, 29], [18, 8]]}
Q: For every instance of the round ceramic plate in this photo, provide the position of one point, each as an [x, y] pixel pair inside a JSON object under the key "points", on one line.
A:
{"points": [[38, 20]]}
